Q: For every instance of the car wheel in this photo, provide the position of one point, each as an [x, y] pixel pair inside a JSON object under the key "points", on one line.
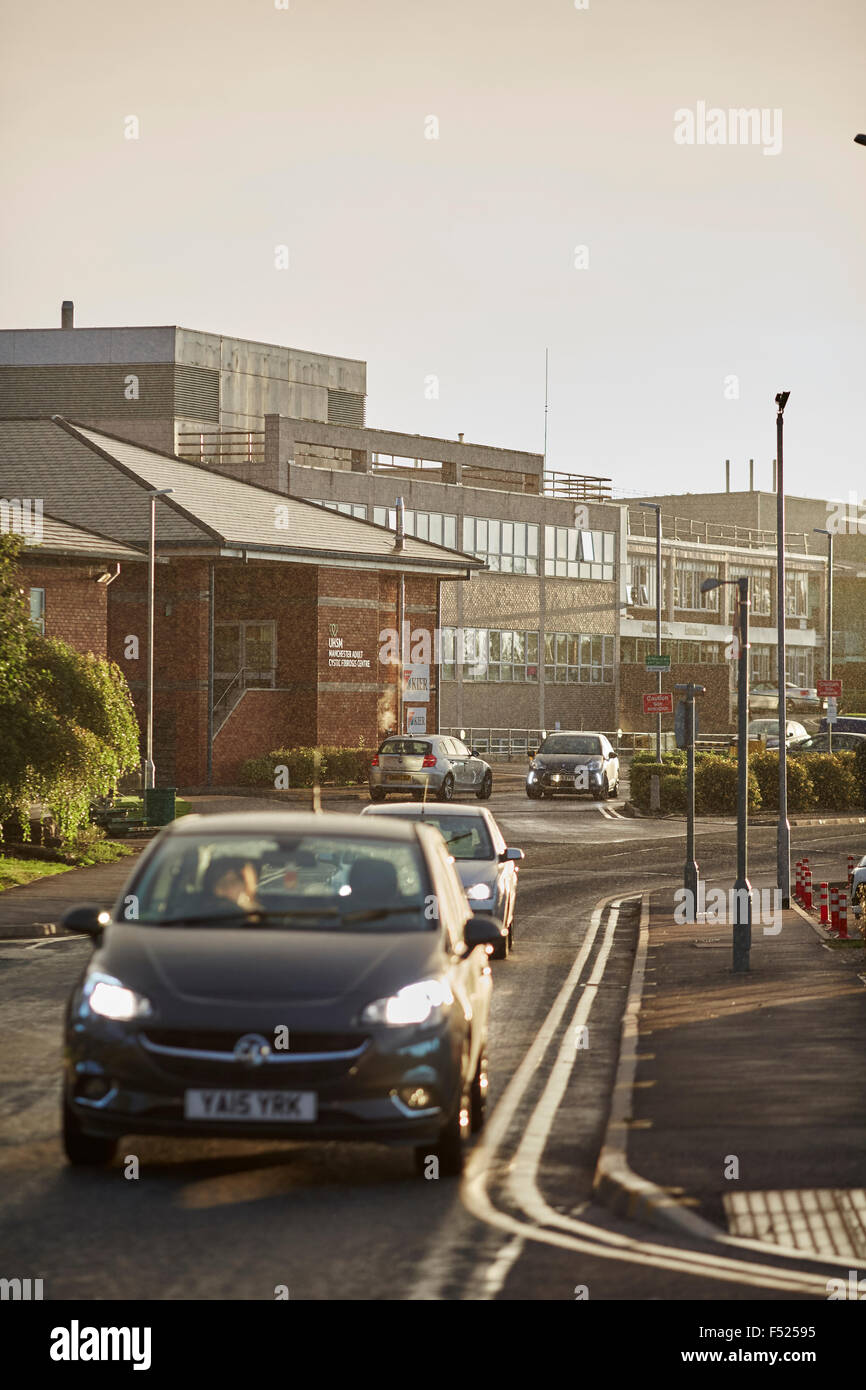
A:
{"points": [[446, 791], [478, 1095], [486, 787], [85, 1150], [614, 791], [534, 793], [602, 792], [377, 794], [500, 950], [511, 936], [450, 1147]]}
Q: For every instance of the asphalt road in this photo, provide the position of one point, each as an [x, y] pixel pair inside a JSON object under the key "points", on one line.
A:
{"points": [[215, 1219]]}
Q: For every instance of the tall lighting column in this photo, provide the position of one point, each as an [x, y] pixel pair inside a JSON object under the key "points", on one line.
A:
{"points": [[828, 641], [783, 832], [656, 507]]}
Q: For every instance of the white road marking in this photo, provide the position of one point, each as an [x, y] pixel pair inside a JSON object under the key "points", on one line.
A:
{"points": [[498, 1270], [569, 1233]]}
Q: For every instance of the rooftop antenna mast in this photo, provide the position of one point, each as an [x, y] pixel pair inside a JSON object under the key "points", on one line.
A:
{"points": [[546, 360]]}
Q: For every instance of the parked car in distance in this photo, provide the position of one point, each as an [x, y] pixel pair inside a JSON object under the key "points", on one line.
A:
{"points": [[846, 724], [284, 979], [798, 699], [573, 761], [487, 867], [819, 743], [430, 763], [768, 731]]}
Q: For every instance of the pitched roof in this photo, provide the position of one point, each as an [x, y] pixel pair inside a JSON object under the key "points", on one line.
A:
{"points": [[58, 537], [88, 477]]}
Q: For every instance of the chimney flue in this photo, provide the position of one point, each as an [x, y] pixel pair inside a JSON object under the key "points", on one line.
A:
{"points": [[751, 475], [400, 542], [67, 314], [460, 437], [727, 475]]}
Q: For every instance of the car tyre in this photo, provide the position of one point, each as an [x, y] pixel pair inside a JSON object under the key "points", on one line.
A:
{"points": [[614, 791], [603, 792], [450, 1148], [478, 1095], [500, 950], [377, 794], [486, 788], [446, 791], [534, 793], [85, 1150]]}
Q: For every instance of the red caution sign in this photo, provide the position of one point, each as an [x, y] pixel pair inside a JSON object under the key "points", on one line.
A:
{"points": [[829, 690], [658, 703]]}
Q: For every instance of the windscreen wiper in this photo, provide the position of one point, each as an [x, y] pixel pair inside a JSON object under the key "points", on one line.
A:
{"points": [[374, 914], [256, 914]]}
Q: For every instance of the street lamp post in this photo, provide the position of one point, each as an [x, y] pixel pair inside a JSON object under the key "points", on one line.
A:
{"points": [[149, 769], [783, 833], [656, 507], [742, 924], [828, 641]]}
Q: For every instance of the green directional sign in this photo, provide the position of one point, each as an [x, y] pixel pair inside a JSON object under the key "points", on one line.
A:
{"points": [[658, 663]]}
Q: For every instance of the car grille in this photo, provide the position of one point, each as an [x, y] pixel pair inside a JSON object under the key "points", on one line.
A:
{"points": [[223, 1041]]}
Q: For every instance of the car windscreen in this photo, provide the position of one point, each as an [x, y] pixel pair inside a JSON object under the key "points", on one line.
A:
{"points": [[310, 881], [406, 747], [467, 837], [571, 743]]}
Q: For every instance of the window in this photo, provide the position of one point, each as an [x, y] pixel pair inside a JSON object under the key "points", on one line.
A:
{"points": [[439, 527], [571, 658], [636, 649], [489, 655], [797, 594], [760, 589], [508, 546], [245, 650], [761, 664], [357, 509], [688, 577], [571, 554], [799, 666], [642, 590], [37, 609]]}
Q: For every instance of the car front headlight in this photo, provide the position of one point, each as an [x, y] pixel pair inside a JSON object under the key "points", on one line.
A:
{"points": [[108, 998], [414, 1003], [480, 892]]}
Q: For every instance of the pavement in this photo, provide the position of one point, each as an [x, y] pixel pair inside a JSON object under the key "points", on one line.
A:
{"points": [[739, 1109]]}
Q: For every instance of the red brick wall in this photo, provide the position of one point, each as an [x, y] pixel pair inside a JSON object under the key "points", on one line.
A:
{"points": [[262, 721], [713, 716], [76, 607]]}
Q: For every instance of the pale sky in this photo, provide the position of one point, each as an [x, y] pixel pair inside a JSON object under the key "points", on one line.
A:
{"points": [[454, 257]]}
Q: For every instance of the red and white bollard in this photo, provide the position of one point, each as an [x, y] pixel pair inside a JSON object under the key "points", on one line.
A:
{"points": [[834, 909], [843, 916], [798, 886], [824, 904], [807, 889]]}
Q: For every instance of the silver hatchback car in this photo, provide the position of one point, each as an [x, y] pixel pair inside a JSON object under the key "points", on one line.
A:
{"points": [[434, 765]]}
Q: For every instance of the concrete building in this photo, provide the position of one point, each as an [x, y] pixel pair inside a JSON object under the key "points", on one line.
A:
{"points": [[172, 388], [555, 629]]}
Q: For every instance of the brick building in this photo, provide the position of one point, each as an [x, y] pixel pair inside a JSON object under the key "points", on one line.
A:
{"points": [[66, 572], [269, 611]]}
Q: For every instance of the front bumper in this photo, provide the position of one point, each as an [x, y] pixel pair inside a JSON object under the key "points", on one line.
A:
{"points": [[363, 1096], [579, 781]]}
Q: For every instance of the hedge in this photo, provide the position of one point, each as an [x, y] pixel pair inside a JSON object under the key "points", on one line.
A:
{"points": [[338, 766], [816, 781]]}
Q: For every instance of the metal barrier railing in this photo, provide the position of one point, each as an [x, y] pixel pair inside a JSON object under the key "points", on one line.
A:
{"points": [[518, 743]]}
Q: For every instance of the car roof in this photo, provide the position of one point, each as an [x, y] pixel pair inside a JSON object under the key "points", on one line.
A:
{"points": [[575, 733], [420, 809], [287, 822]]}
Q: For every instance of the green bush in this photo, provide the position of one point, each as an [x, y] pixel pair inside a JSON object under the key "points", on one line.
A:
{"points": [[672, 759], [834, 779], [68, 729], [860, 774], [338, 766], [716, 784]]}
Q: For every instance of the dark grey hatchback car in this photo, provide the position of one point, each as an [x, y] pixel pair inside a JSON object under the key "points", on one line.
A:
{"points": [[296, 976]]}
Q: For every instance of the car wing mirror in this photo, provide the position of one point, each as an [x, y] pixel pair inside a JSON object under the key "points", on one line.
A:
{"points": [[512, 854], [86, 920], [482, 930]]}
